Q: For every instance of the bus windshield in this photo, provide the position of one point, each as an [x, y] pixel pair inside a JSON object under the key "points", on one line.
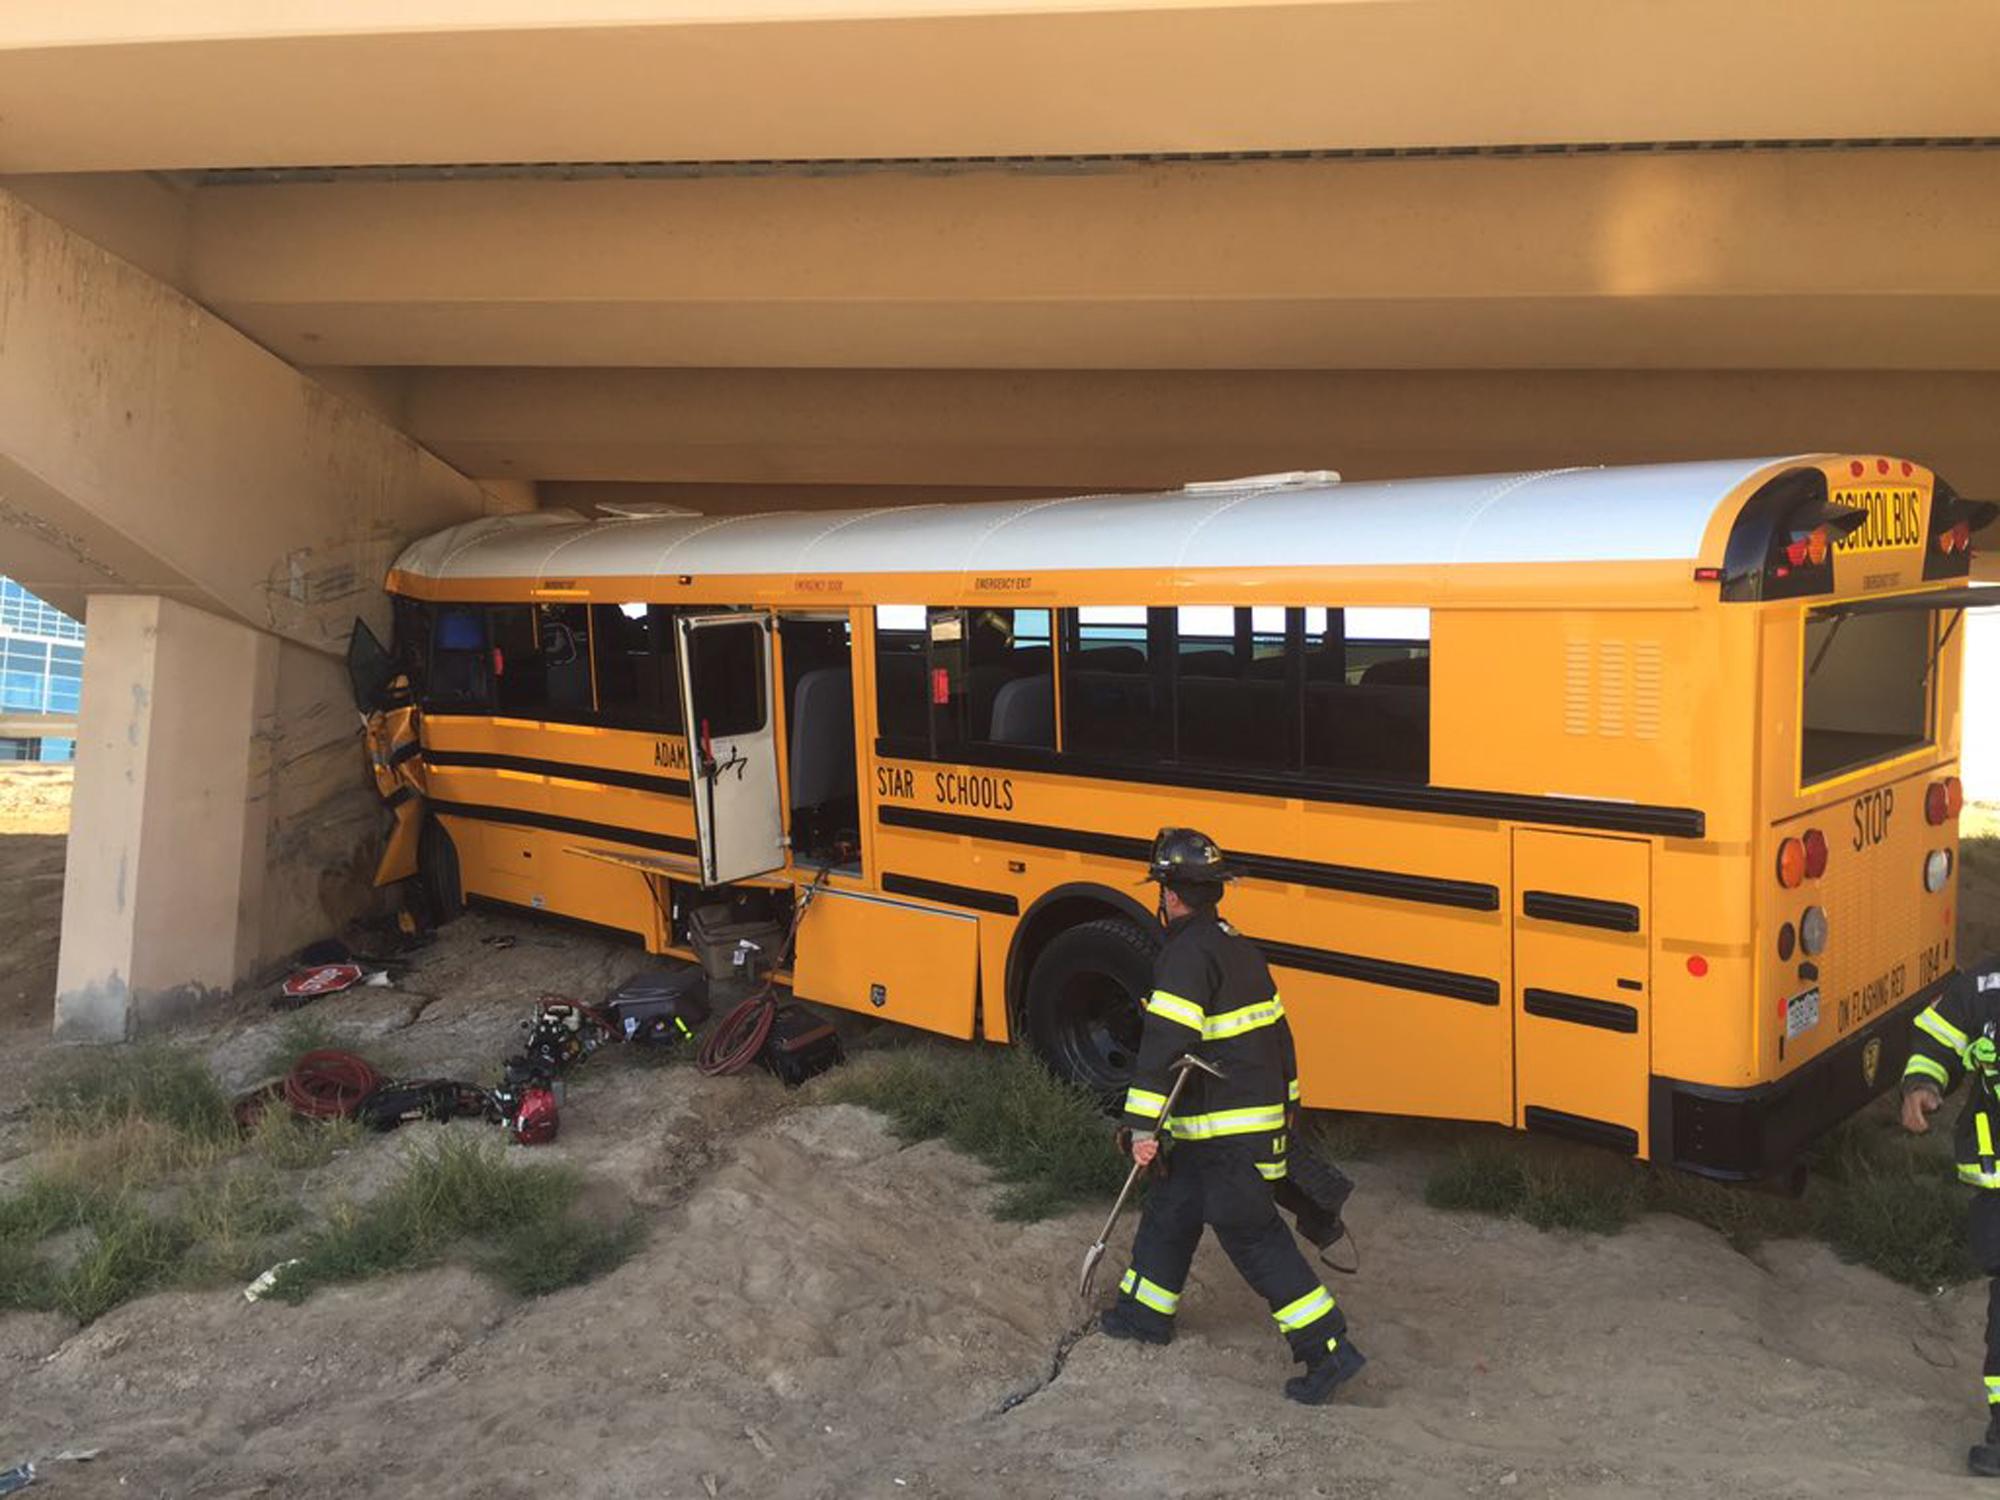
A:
{"points": [[1867, 693]]}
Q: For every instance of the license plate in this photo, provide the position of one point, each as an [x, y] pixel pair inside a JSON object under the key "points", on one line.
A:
{"points": [[1802, 1012]]}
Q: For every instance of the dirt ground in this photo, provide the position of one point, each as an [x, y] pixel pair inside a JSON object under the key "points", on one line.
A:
{"points": [[820, 1311]]}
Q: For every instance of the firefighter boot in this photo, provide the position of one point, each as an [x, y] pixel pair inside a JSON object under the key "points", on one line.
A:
{"points": [[1984, 1459], [1334, 1368], [1127, 1320]]}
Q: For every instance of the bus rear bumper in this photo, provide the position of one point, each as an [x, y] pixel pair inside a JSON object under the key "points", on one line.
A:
{"points": [[1738, 1134]]}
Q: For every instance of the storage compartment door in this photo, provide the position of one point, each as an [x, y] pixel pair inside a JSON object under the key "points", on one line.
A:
{"points": [[887, 958], [1582, 986]]}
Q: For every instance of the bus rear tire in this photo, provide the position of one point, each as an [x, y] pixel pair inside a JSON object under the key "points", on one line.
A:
{"points": [[437, 873], [1085, 1003]]}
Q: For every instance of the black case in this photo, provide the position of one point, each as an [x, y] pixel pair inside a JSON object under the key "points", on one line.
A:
{"points": [[661, 1006], [1314, 1192], [800, 1045]]}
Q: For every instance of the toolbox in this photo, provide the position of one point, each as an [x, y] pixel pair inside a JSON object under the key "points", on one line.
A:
{"points": [[800, 1045], [714, 931], [659, 1005]]}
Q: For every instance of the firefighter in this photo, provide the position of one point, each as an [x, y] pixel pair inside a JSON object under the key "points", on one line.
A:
{"points": [[1959, 1035], [1213, 996]]}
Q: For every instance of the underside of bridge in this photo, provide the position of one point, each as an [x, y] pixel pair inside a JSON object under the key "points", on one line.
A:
{"points": [[288, 283]]}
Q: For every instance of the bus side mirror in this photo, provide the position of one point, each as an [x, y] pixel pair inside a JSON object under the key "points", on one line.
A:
{"points": [[370, 671]]}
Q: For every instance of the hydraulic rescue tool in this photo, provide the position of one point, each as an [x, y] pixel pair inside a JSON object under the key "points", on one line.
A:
{"points": [[1187, 1065]]}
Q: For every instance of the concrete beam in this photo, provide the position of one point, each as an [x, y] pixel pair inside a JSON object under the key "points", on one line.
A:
{"points": [[1810, 260], [103, 85], [1067, 431], [37, 727], [146, 446]]}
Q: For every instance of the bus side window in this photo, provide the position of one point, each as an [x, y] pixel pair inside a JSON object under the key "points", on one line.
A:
{"points": [[563, 633], [1368, 692], [902, 685], [410, 640], [520, 684], [1235, 701], [992, 678], [460, 673], [1112, 682], [636, 679]]}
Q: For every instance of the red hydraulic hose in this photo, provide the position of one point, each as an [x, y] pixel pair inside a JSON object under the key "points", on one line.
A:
{"points": [[739, 1036], [328, 1085]]}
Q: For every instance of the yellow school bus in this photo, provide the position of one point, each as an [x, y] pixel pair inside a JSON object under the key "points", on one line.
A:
{"points": [[1618, 804]]}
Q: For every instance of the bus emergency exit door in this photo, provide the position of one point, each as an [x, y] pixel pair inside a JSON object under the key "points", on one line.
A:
{"points": [[1582, 986], [726, 698]]}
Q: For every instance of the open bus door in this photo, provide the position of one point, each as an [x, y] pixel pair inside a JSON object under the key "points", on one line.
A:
{"points": [[726, 698]]}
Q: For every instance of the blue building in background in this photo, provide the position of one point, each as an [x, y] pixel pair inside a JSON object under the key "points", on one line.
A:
{"points": [[41, 669]]}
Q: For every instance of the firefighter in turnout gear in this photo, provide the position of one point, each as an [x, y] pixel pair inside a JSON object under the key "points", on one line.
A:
{"points": [[1959, 1036], [1213, 996]]}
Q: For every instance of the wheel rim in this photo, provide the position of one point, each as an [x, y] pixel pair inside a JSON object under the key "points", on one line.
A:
{"points": [[1096, 1030]]}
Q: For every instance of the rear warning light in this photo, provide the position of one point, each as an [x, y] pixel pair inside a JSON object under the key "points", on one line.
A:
{"points": [[1956, 538], [1808, 547], [1791, 864], [1943, 800], [1697, 966], [1812, 932], [1815, 847], [1788, 942], [1856, 468]]}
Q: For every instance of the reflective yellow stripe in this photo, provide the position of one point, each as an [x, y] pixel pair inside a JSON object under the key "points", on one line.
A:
{"points": [[1292, 1093], [1174, 1008], [1149, 1293], [1308, 1310], [1993, 1388], [1926, 1067], [1254, 1121], [1983, 1128], [1145, 1102], [1249, 1018], [1969, 1172], [1273, 1171], [1935, 1026]]}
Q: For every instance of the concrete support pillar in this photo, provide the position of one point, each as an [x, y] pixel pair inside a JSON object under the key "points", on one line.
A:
{"points": [[162, 899]]}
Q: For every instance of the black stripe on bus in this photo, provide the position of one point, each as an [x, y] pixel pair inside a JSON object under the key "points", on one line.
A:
{"points": [[1472, 895], [1508, 807], [519, 818], [951, 895], [1581, 911], [1607, 1015], [1390, 975], [1620, 1138], [481, 760]]}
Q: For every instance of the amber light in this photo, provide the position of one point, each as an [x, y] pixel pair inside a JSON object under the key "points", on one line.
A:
{"points": [[1791, 863], [1815, 847]]}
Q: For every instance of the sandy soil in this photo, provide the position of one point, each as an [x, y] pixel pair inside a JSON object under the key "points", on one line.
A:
{"points": [[34, 817], [821, 1312]]}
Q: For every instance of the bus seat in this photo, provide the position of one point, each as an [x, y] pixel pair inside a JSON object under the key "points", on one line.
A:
{"points": [[1024, 712], [822, 732], [1399, 671]]}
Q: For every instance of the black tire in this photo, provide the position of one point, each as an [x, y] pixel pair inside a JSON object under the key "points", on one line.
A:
{"points": [[1086, 1003], [437, 873]]}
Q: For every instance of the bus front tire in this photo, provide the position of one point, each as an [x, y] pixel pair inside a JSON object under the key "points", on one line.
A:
{"points": [[1085, 1003], [437, 874]]}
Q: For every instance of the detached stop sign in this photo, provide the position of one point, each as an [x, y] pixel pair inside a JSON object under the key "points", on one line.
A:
{"points": [[324, 979]]}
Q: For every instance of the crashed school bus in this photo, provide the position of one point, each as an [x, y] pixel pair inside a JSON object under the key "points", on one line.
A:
{"points": [[1612, 803]]}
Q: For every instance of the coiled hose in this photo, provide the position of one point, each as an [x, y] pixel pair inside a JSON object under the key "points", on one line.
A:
{"points": [[739, 1037], [329, 1085]]}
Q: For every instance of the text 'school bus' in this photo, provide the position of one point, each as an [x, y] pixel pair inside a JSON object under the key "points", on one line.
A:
{"points": [[1613, 803]]}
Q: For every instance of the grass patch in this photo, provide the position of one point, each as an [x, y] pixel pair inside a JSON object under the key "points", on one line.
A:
{"points": [[146, 1182], [460, 1190], [1047, 1141], [1877, 1196]]}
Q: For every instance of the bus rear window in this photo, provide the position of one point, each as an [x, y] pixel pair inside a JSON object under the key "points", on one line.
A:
{"points": [[1867, 694]]}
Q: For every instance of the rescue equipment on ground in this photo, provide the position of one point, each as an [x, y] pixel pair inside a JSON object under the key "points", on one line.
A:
{"points": [[799, 1045], [406, 1101], [659, 1007], [563, 1031], [718, 931], [326, 1084], [1184, 1068], [742, 1037]]}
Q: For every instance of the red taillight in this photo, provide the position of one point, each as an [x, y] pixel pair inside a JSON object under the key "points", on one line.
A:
{"points": [[1881, 466], [1815, 847], [1791, 863], [1908, 468], [1807, 547], [1954, 796], [1937, 803], [1855, 468]]}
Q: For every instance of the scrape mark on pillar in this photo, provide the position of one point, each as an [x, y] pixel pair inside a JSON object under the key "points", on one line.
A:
{"points": [[68, 543], [123, 860]]}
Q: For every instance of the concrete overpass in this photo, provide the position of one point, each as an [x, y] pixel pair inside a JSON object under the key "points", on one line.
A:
{"points": [[290, 281]]}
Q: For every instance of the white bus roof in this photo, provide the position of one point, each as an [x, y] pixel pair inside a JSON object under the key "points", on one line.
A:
{"points": [[1659, 512]]}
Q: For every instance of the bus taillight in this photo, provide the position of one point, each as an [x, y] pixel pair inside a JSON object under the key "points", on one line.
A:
{"points": [[1807, 547], [1955, 538], [1791, 864], [1815, 850], [1943, 800]]}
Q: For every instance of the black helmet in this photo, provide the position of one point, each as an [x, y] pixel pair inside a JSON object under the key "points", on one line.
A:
{"points": [[1187, 856]]}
